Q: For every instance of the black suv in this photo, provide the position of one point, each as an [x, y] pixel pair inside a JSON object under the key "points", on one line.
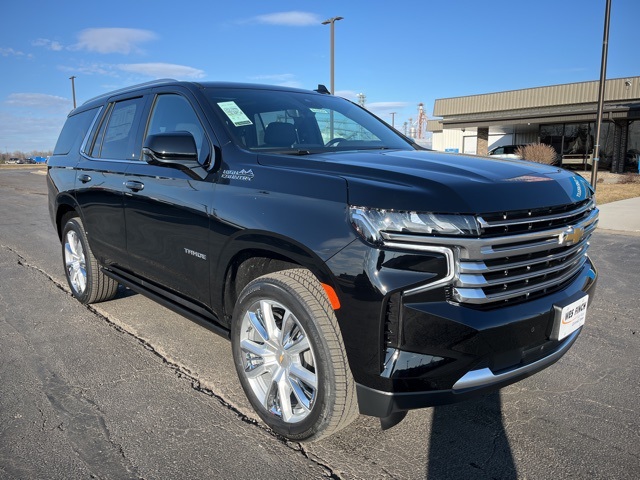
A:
{"points": [[352, 270]]}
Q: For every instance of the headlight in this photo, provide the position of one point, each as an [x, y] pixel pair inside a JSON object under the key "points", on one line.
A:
{"points": [[371, 222]]}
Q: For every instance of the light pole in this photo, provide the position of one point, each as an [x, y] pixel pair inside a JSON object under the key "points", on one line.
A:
{"points": [[603, 77], [332, 22], [73, 90]]}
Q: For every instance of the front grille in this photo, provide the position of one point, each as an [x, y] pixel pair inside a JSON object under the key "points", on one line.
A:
{"points": [[518, 256], [524, 254]]}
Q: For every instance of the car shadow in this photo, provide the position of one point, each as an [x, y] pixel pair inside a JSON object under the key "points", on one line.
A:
{"points": [[468, 440], [125, 292]]}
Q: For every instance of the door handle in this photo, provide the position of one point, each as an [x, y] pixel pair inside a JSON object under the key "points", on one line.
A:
{"points": [[134, 185], [84, 178]]}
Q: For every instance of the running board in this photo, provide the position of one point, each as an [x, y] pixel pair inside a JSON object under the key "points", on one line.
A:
{"points": [[209, 321]]}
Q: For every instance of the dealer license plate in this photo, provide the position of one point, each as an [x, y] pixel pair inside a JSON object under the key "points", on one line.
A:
{"points": [[569, 318]]}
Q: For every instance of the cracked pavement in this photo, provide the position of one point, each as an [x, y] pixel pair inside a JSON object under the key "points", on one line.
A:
{"points": [[128, 389]]}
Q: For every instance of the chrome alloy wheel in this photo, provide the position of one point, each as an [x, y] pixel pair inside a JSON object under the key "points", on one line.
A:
{"points": [[278, 361], [75, 262]]}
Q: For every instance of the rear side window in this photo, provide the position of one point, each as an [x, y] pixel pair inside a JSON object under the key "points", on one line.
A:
{"points": [[118, 135], [74, 131]]}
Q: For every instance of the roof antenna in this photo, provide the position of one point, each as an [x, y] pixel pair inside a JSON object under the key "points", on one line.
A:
{"points": [[322, 89]]}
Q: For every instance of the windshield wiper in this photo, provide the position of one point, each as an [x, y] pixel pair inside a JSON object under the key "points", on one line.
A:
{"points": [[296, 152]]}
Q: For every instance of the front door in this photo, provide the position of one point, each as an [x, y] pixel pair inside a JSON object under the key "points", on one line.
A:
{"points": [[167, 210]]}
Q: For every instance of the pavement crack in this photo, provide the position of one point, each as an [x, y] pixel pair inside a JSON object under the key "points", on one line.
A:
{"points": [[184, 373], [22, 261]]}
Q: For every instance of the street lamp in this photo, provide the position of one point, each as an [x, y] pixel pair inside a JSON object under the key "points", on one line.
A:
{"points": [[73, 90], [331, 22]]}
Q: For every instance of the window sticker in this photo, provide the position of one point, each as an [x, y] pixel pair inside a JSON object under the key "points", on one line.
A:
{"points": [[319, 110], [234, 113]]}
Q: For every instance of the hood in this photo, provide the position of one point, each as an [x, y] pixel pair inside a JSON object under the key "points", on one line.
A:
{"points": [[441, 182]]}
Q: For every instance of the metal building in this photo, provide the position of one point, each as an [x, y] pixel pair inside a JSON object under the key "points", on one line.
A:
{"points": [[563, 116]]}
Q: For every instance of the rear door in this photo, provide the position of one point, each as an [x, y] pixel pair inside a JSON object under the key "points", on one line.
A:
{"points": [[105, 157], [167, 209]]}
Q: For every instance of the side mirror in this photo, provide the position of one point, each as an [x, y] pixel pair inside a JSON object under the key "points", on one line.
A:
{"points": [[174, 148]]}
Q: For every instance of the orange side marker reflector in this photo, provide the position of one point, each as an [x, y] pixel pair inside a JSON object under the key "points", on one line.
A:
{"points": [[333, 298]]}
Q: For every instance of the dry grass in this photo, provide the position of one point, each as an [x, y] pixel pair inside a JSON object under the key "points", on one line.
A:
{"points": [[612, 187], [612, 192]]}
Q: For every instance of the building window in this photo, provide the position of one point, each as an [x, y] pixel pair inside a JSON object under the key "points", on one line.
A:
{"points": [[577, 139], [633, 146]]}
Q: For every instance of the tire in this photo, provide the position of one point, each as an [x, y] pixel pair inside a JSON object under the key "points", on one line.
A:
{"points": [[86, 281], [290, 357]]}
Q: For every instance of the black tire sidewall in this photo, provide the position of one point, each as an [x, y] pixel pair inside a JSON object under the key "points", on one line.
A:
{"points": [[74, 223], [280, 292]]}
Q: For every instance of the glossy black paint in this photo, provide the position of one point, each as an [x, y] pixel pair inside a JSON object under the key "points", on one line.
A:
{"points": [[167, 228], [182, 235]]}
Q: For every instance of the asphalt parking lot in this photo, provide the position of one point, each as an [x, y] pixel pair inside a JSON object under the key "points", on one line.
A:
{"points": [[128, 389]]}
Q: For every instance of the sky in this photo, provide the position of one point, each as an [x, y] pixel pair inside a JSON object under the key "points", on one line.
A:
{"points": [[398, 54]]}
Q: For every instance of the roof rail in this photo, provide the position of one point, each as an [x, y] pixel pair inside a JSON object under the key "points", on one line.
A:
{"points": [[151, 83]]}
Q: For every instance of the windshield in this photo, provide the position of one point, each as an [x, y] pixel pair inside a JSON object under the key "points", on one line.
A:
{"points": [[299, 122]]}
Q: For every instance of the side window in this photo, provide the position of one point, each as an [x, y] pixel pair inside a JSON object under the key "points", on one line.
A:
{"points": [[174, 113], [74, 131], [117, 137]]}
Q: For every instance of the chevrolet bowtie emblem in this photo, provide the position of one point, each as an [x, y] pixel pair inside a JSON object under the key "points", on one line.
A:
{"points": [[571, 236]]}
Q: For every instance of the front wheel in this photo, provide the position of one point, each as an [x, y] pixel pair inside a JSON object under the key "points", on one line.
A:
{"points": [[88, 284], [290, 357]]}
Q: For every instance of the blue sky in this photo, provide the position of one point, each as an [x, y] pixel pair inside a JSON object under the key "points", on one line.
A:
{"points": [[397, 53]]}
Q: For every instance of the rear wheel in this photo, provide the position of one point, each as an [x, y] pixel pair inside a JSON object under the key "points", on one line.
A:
{"points": [[290, 357], [88, 284]]}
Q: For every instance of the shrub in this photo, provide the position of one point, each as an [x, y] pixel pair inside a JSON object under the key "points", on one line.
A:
{"points": [[538, 152]]}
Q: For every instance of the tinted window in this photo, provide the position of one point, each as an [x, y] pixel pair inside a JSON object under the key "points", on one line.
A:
{"points": [[174, 113], [117, 138], [291, 121], [74, 130]]}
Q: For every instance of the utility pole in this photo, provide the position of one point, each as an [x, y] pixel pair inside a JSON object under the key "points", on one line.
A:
{"points": [[73, 89], [603, 76], [393, 119]]}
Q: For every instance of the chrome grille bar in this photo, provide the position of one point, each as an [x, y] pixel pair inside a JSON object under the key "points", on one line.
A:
{"points": [[496, 268], [537, 219]]}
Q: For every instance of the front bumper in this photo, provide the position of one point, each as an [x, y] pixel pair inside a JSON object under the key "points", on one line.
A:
{"points": [[383, 404], [448, 353]]}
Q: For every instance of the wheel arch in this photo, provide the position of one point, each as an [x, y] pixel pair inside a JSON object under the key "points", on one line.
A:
{"points": [[66, 205], [250, 256]]}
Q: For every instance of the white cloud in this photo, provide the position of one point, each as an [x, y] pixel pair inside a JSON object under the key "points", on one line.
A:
{"points": [[386, 107], [28, 132], [48, 44], [348, 94], [10, 52], [289, 19], [162, 70], [90, 69], [113, 40], [39, 101]]}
